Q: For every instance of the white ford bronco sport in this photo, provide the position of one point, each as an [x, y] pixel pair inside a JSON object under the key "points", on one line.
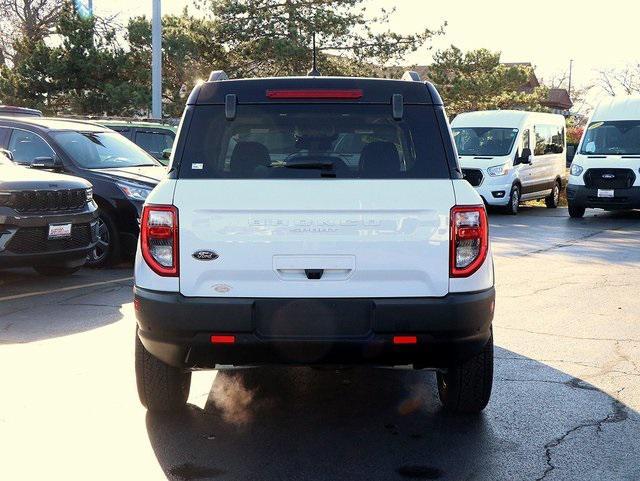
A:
{"points": [[314, 221]]}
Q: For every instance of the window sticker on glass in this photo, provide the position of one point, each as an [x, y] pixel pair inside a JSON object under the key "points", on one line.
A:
{"points": [[197, 166], [595, 125]]}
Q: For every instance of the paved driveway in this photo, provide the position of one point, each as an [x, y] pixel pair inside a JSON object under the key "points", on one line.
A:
{"points": [[565, 406]]}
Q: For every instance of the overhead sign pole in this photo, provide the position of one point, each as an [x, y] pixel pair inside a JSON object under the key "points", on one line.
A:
{"points": [[156, 61]]}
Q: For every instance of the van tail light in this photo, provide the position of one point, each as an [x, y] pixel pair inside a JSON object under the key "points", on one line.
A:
{"points": [[469, 240], [159, 239]]}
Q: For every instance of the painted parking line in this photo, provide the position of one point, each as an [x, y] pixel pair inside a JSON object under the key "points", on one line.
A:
{"points": [[64, 289]]}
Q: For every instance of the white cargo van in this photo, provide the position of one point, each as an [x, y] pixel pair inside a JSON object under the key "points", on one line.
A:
{"points": [[605, 172], [511, 156], [310, 221]]}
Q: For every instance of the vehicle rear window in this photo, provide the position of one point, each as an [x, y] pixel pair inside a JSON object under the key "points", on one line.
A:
{"points": [[290, 141]]}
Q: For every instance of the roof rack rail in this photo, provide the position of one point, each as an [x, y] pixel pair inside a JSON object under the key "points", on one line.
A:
{"points": [[218, 75], [411, 76]]}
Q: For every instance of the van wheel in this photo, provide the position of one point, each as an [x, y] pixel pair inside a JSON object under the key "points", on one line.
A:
{"points": [[514, 201], [107, 250], [553, 199], [466, 388], [161, 387], [576, 212], [56, 271]]}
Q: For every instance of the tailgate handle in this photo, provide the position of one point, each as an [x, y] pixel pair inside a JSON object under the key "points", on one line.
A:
{"points": [[314, 274]]}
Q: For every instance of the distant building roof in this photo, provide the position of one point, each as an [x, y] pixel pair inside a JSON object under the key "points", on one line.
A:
{"points": [[558, 99]]}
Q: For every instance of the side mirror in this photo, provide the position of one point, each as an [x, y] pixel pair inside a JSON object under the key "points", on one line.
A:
{"points": [[525, 157], [166, 154], [46, 163]]}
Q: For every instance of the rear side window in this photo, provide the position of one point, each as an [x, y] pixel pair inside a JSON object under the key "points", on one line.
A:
{"points": [[549, 139], [281, 141]]}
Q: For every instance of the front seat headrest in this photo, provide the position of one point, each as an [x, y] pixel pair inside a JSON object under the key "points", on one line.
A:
{"points": [[247, 156], [379, 160]]}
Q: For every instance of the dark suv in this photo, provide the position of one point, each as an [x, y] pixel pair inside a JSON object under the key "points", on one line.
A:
{"points": [[122, 174], [47, 221]]}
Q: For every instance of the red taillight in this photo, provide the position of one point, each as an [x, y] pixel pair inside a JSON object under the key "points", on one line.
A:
{"points": [[223, 339], [159, 239], [469, 240], [405, 340], [315, 94]]}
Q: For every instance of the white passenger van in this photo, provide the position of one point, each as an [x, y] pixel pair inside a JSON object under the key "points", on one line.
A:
{"points": [[605, 170], [511, 156]]}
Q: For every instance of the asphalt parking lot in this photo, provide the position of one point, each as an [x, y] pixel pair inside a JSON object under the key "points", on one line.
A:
{"points": [[565, 405]]}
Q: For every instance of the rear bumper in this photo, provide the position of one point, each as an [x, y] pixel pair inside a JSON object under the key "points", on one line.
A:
{"points": [[177, 329], [583, 196]]}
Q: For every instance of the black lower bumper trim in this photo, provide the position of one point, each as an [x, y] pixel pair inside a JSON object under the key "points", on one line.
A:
{"points": [[177, 329], [582, 196]]}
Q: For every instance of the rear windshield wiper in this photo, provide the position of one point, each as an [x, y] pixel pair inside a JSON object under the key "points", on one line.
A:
{"points": [[301, 164], [327, 168]]}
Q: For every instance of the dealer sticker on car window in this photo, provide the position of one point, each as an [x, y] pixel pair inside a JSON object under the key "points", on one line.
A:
{"points": [[57, 231], [607, 193]]}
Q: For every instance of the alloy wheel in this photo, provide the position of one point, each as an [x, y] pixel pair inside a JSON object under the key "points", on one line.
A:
{"points": [[101, 250]]}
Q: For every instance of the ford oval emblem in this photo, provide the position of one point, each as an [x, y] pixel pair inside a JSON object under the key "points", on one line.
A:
{"points": [[205, 255], [608, 176]]}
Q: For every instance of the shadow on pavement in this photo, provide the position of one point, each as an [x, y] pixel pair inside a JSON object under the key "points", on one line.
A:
{"points": [[370, 424], [34, 307]]}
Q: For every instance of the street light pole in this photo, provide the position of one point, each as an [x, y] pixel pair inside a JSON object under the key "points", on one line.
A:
{"points": [[570, 71], [156, 61]]}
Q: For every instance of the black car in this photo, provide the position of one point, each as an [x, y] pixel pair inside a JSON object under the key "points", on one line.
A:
{"points": [[47, 221], [122, 174]]}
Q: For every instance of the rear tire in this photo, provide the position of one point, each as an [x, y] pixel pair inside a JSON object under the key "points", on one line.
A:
{"points": [[553, 199], [514, 201], [466, 388], [161, 388], [576, 212], [56, 271]]}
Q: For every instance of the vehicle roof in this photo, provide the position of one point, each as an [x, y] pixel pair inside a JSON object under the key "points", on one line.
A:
{"points": [[373, 90], [133, 123], [617, 108], [502, 118], [19, 110], [52, 123]]}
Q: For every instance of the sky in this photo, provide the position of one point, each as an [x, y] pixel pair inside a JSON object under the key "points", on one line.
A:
{"points": [[547, 33]]}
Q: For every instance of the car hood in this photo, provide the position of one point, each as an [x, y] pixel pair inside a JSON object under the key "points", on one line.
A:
{"points": [[13, 177], [149, 175], [482, 161]]}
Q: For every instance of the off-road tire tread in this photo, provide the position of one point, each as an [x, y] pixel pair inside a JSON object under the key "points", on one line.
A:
{"points": [[468, 384], [161, 387]]}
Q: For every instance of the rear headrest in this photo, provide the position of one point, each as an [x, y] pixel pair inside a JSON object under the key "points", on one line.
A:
{"points": [[379, 160], [247, 156]]}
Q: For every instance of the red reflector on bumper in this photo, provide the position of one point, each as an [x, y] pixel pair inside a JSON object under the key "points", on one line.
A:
{"points": [[222, 339], [405, 340]]}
